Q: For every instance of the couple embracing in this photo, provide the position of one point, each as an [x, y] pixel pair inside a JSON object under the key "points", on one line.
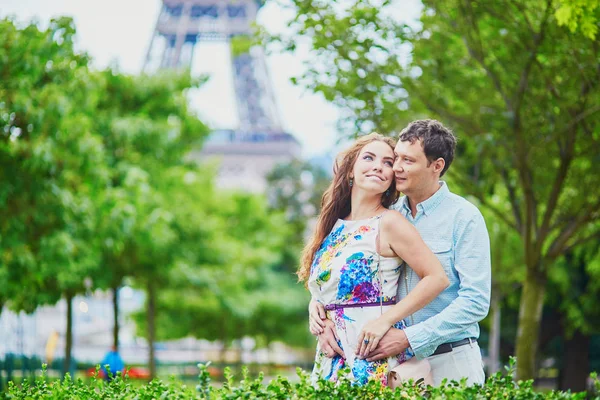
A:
{"points": [[398, 284]]}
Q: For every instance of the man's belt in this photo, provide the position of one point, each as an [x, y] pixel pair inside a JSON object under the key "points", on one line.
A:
{"points": [[447, 347]]}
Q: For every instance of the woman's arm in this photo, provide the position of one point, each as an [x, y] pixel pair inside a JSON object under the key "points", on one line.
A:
{"points": [[402, 238]]}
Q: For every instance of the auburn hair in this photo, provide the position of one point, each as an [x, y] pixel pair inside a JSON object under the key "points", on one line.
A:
{"points": [[336, 203]]}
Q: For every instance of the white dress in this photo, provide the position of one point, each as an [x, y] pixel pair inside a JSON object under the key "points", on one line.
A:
{"points": [[345, 271]]}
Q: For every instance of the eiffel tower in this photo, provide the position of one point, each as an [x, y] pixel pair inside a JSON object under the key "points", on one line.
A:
{"points": [[247, 152]]}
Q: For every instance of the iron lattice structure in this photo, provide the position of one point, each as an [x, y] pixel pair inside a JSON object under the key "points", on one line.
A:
{"points": [[182, 24], [250, 150]]}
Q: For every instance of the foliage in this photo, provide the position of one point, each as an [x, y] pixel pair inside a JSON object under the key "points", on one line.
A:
{"points": [[296, 189], [52, 164], [574, 283], [97, 187], [497, 386], [234, 290], [494, 72], [583, 15]]}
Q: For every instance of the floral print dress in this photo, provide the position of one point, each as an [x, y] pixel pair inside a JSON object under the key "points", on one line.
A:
{"points": [[345, 271]]}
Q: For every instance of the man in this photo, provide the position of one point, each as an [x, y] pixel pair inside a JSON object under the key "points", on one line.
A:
{"points": [[444, 332]]}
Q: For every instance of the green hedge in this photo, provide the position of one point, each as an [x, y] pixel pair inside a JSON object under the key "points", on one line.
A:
{"points": [[498, 386]]}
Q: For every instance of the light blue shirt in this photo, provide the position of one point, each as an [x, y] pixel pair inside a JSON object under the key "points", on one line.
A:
{"points": [[455, 231]]}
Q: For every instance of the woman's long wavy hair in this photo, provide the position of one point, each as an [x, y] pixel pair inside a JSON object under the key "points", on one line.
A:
{"points": [[336, 204]]}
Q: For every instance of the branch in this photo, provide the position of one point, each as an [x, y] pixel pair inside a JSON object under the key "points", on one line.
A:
{"points": [[591, 149], [580, 117], [480, 58], [447, 114], [520, 7], [524, 170], [583, 240], [513, 199], [539, 38], [587, 215], [566, 159], [479, 196]]}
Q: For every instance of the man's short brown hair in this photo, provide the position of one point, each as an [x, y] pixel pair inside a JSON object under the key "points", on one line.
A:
{"points": [[438, 141]]}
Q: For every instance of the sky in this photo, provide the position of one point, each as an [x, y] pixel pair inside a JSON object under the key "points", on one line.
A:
{"points": [[118, 32]]}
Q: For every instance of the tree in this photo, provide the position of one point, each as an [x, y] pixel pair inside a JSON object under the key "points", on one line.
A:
{"points": [[147, 129], [296, 189], [84, 159], [573, 282], [507, 275], [51, 167], [494, 72], [232, 289]]}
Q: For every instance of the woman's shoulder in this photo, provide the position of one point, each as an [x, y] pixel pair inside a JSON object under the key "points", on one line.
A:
{"points": [[392, 216], [393, 220]]}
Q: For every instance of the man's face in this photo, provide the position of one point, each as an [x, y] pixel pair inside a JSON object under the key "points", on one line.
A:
{"points": [[411, 168]]}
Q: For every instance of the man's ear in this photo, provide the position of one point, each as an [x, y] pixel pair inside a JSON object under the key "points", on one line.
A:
{"points": [[438, 165]]}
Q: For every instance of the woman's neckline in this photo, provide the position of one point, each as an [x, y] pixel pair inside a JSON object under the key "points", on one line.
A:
{"points": [[363, 219]]}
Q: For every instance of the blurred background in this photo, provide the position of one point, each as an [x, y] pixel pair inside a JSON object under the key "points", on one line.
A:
{"points": [[164, 161]]}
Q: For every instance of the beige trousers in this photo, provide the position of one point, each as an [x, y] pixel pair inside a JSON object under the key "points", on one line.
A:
{"points": [[462, 362]]}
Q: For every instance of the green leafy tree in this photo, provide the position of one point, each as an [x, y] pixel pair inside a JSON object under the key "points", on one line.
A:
{"points": [[582, 15], [575, 289], [296, 188], [507, 277], [496, 73], [233, 290], [147, 128], [52, 165]]}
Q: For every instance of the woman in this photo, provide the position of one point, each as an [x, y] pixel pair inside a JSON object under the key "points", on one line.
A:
{"points": [[352, 263]]}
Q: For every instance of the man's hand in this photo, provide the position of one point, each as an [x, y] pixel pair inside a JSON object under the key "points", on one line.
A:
{"points": [[392, 343], [371, 334], [316, 317], [328, 340]]}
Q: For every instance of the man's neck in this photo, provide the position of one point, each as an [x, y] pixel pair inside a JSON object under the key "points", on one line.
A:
{"points": [[415, 199]]}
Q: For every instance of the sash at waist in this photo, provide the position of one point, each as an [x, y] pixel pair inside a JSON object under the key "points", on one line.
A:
{"points": [[330, 307]]}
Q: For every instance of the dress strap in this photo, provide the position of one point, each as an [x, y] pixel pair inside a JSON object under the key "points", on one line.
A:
{"points": [[379, 262], [379, 219]]}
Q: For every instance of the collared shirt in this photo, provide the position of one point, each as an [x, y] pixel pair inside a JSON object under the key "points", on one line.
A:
{"points": [[455, 231]]}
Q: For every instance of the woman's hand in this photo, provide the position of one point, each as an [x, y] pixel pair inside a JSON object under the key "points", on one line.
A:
{"points": [[371, 334], [316, 317], [328, 341]]}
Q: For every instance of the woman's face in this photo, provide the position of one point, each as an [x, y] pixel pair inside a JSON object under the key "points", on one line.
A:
{"points": [[372, 170]]}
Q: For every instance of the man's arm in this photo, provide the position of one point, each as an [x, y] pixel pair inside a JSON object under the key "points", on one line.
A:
{"points": [[472, 263]]}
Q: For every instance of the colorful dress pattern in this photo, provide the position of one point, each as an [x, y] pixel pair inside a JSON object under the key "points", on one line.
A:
{"points": [[345, 271]]}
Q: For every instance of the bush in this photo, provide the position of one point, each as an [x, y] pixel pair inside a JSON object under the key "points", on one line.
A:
{"points": [[498, 386]]}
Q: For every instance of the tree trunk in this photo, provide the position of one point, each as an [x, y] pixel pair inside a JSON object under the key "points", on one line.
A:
{"points": [[151, 311], [494, 343], [530, 315], [69, 336], [223, 352], [115, 299], [576, 363]]}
